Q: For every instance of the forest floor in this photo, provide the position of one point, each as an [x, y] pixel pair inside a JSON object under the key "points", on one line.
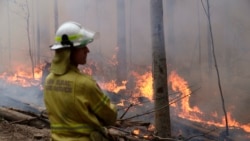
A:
{"points": [[17, 132]]}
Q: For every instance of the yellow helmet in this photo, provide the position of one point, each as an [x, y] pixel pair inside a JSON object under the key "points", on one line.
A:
{"points": [[72, 34]]}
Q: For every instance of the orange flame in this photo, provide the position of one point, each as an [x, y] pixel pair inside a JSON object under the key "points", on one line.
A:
{"points": [[193, 113], [143, 87], [151, 127], [144, 84], [112, 86], [113, 60], [23, 78], [136, 131], [180, 85]]}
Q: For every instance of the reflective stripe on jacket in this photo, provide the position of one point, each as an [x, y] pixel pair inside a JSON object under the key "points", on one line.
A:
{"points": [[75, 104]]}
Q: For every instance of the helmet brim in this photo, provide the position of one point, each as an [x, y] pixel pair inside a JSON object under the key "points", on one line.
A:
{"points": [[77, 45], [59, 46], [88, 36], [54, 47]]}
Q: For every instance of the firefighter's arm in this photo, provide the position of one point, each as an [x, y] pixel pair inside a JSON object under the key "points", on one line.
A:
{"points": [[102, 106], [96, 101]]}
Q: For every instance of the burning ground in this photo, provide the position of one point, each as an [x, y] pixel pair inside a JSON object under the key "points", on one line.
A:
{"points": [[134, 99]]}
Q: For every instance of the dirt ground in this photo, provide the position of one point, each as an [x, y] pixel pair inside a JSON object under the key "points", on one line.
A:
{"points": [[18, 132]]}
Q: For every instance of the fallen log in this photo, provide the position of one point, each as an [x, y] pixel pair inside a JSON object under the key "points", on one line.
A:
{"points": [[130, 123], [22, 118]]}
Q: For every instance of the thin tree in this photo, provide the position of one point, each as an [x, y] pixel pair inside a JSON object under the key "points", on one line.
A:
{"points": [[9, 34], [27, 19], [1, 50], [162, 117], [26, 11], [121, 42], [38, 42], [216, 65], [33, 27], [56, 14], [209, 49]]}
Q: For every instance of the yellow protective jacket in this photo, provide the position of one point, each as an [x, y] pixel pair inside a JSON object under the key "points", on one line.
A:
{"points": [[76, 106]]}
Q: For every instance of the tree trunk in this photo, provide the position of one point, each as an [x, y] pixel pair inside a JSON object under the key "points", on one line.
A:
{"points": [[38, 42], [27, 18], [216, 68], [56, 14], [121, 42], [9, 36], [209, 48], [162, 117]]}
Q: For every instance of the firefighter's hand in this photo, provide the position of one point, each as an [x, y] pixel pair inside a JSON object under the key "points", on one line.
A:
{"points": [[105, 131]]}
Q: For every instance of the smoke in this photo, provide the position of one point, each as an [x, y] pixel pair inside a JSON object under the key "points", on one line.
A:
{"points": [[230, 44], [188, 47]]}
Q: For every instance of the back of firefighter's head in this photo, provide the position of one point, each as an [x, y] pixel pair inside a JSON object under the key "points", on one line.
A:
{"points": [[72, 34]]}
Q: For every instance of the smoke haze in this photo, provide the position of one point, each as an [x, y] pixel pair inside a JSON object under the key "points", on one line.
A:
{"points": [[188, 47]]}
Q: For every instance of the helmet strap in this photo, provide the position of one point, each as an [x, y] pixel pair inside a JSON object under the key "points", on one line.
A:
{"points": [[66, 41]]}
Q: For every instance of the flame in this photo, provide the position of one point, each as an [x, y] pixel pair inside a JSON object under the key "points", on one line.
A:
{"points": [[136, 132], [194, 113], [144, 84], [179, 84], [23, 78], [121, 103], [113, 61], [112, 86], [151, 127], [140, 133], [143, 87]]}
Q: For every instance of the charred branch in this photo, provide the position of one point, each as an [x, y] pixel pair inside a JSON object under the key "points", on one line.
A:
{"points": [[22, 118]]}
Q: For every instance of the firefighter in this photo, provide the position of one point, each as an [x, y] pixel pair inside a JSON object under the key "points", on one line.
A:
{"points": [[77, 108]]}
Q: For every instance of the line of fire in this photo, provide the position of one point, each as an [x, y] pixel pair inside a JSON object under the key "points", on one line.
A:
{"points": [[203, 46]]}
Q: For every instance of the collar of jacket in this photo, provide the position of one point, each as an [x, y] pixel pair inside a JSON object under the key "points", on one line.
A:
{"points": [[61, 62]]}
